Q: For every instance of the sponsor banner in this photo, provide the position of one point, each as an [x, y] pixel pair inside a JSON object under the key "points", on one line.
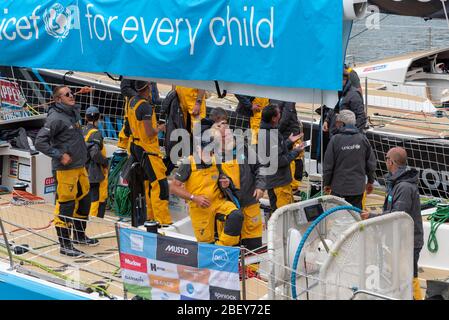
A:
{"points": [[10, 93], [49, 185], [164, 284], [180, 39], [12, 101], [157, 294], [194, 290], [194, 274], [228, 280], [218, 257], [163, 269], [168, 267], [187, 298], [217, 293], [13, 166], [138, 243], [135, 263], [144, 292], [135, 278], [375, 68], [177, 251]]}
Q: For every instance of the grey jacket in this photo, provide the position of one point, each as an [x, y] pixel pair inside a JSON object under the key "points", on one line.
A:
{"points": [[403, 195], [350, 99], [348, 160], [285, 155], [95, 160], [62, 134]]}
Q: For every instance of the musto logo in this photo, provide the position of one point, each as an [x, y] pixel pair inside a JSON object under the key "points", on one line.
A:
{"points": [[220, 257], [57, 21], [177, 250]]}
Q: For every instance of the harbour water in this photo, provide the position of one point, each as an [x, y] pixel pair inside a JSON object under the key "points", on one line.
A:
{"points": [[394, 35]]}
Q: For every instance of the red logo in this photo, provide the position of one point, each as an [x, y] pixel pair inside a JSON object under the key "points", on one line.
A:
{"points": [[10, 93], [49, 181], [131, 262]]}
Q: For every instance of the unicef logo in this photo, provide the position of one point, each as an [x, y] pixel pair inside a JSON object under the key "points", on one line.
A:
{"points": [[220, 257], [57, 21]]}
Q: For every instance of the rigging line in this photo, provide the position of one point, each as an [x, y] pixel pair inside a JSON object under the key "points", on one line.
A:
{"points": [[366, 29], [445, 11]]}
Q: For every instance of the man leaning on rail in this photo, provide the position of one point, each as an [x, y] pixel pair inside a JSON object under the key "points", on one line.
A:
{"points": [[403, 195]]}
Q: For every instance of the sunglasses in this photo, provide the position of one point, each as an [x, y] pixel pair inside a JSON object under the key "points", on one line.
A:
{"points": [[67, 94]]}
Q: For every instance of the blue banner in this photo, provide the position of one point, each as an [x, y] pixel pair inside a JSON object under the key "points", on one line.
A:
{"points": [[277, 43]]}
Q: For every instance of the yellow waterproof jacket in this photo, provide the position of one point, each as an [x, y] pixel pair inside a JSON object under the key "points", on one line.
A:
{"points": [[139, 136]]}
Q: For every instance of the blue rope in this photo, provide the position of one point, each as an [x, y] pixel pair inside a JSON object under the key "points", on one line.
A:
{"points": [[306, 235]]}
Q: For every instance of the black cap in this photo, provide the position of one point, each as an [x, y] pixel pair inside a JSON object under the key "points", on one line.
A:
{"points": [[139, 85]]}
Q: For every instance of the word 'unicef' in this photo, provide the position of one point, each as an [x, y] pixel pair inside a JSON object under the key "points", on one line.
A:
{"points": [[245, 27]]}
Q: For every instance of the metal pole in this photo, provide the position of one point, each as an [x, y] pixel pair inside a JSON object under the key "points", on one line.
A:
{"points": [[430, 37], [374, 294], [11, 261], [125, 292], [366, 96], [242, 254]]}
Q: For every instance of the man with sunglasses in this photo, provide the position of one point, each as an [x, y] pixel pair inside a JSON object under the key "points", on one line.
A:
{"points": [[246, 182], [62, 139], [403, 195], [197, 181]]}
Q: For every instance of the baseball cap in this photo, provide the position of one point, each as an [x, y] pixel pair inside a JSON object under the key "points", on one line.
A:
{"points": [[139, 85], [92, 110]]}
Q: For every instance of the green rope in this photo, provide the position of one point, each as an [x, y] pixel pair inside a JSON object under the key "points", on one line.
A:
{"points": [[304, 195], [437, 218], [119, 199], [122, 204]]}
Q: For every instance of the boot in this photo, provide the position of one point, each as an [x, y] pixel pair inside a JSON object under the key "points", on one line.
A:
{"points": [[417, 294], [79, 234], [67, 247]]}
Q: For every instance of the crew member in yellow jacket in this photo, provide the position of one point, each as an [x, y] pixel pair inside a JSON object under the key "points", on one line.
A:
{"points": [[193, 105], [97, 163], [145, 149], [252, 107], [198, 182]]}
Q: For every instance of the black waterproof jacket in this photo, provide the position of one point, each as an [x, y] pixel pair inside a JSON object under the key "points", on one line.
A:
{"points": [[284, 156], [350, 99], [403, 195], [289, 122], [62, 134], [348, 160], [95, 159], [175, 120], [245, 105]]}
